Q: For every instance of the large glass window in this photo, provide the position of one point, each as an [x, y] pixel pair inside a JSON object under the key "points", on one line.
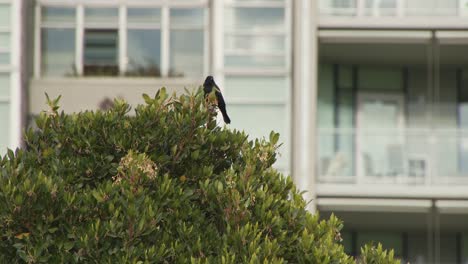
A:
{"points": [[101, 42], [144, 42], [58, 52], [130, 43], [186, 42], [100, 52], [58, 41]]}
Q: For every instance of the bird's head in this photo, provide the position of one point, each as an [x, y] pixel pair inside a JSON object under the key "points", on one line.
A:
{"points": [[209, 80]]}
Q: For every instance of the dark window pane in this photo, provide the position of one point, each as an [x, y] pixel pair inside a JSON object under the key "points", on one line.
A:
{"points": [[144, 52], [100, 52]]}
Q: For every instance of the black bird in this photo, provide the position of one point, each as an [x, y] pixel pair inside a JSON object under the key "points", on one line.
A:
{"points": [[208, 88]]}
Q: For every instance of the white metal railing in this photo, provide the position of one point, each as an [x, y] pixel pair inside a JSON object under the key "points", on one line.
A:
{"points": [[389, 156], [393, 8]]}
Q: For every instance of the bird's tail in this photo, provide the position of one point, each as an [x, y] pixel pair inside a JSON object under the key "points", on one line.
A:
{"points": [[226, 118]]}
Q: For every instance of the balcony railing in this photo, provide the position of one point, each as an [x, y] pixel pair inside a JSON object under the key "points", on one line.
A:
{"points": [[386, 156], [394, 8]]}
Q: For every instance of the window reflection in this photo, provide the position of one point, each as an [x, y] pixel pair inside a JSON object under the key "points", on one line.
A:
{"points": [[58, 52], [186, 57], [144, 52]]}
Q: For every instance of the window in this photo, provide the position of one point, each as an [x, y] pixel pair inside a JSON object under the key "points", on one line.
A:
{"points": [[58, 41], [151, 39], [144, 42], [101, 39], [100, 52], [58, 55], [187, 42]]}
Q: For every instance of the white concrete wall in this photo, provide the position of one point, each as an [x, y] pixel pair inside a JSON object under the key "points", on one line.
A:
{"points": [[80, 94]]}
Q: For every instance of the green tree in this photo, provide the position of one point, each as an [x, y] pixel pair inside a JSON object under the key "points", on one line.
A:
{"points": [[164, 184]]}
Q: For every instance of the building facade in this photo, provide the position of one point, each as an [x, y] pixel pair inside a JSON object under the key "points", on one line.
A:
{"points": [[370, 96]]}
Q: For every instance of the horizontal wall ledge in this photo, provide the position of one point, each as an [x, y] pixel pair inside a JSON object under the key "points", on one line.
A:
{"points": [[374, 36], [374, 205], [416, 22], [440, 192], [88, 93]]}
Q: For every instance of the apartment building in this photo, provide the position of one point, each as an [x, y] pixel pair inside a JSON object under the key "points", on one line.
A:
{"points": [[370, 96]]}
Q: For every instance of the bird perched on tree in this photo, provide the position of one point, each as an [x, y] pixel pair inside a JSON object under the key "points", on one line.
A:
{"points": [[208, 86]]}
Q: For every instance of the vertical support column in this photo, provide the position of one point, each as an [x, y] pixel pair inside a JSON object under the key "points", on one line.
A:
{"points": [[37, 41], [305, 98], [123, 57], [436, 234], [79, 39], [16, 113], [400, 8], [360, 6], [165, 41]]}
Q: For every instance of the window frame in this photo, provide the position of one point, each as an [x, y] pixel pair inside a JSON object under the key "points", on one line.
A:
{"points": [[122, 26]]}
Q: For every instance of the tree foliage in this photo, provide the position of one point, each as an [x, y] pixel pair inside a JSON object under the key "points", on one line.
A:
{"points": [[164, 184]]}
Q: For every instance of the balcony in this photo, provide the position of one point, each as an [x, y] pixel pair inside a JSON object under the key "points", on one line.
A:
{"points": [[415, 157], [393, 13]]}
